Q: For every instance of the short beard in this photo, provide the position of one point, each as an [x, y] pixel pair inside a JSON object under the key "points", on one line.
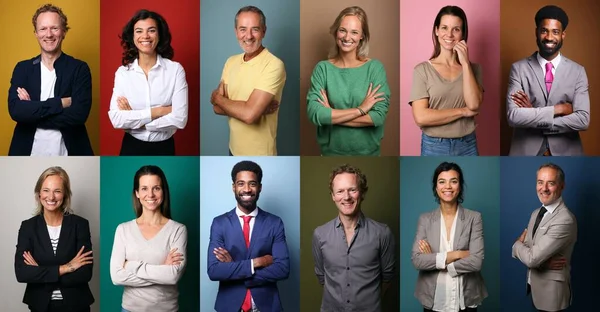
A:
{"points": [[248, 205], [543, 50]]}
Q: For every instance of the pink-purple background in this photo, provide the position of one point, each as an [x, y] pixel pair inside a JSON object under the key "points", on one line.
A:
{"points": [[416, 22]]}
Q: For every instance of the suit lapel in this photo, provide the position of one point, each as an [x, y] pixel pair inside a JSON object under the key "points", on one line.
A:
{"points": [[539, 74], [65, 233], [552, 216], [460, 214], [237, 233], [34, 87], [529, 235], [434, 229], [44, 236], [560, 74]]}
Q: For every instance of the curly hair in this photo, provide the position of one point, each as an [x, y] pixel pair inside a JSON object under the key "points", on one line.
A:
{"points": [[361, 178], [163, 48], [50, 8]]}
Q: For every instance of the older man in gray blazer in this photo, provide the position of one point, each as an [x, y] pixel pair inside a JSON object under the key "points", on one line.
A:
{"points": [[545, 247], [548, 102]]}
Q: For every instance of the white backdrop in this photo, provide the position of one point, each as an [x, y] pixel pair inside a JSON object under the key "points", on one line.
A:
{"points": [[18, 176]]}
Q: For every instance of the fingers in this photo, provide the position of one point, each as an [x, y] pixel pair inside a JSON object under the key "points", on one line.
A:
{"points": [[23, 94]]}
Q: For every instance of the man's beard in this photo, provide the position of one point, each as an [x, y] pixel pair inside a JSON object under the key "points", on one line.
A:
{"points": [[545, 51], [249, 205]]}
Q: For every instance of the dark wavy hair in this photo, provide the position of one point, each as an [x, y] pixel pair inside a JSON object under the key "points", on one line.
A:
{"points": [[448, 10], [447, 166], [165, 206], [164, 48]]}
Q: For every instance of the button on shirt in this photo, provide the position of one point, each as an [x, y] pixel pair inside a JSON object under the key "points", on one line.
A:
{"points": [[352, 273], [165, 86]]}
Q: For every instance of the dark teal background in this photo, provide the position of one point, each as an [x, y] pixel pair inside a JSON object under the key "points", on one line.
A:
{"points": [[116, 206], [482, 193], [519, 200]]}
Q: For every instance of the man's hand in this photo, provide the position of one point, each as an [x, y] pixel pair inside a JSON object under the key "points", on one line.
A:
{"points": [[262, 262], [222, 254], [29, 259], [23, 94], [522, 237], [218, 94], [563, 109], [521, 99], [557, 262], [273, 106]]}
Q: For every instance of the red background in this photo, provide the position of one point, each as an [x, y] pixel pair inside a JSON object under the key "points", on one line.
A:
{"points": [[183, 17]]}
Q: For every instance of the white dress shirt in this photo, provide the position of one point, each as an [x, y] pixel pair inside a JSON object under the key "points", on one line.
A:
{"points": [[48, 142], [165, 86], [542, 61], [240, 214]]}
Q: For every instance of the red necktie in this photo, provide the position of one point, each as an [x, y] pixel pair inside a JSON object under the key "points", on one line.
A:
{"points": [[247, 305], [549, 77]]}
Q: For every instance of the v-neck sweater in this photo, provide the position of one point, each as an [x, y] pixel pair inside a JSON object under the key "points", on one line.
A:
{"points": [[150, 285]]}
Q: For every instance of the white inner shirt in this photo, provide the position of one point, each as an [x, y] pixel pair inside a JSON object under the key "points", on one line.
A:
{"points": [[254, 213], [48, 142]]}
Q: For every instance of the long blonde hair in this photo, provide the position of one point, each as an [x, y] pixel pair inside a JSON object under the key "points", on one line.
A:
{"points": [[65, 208], [363, 46]]}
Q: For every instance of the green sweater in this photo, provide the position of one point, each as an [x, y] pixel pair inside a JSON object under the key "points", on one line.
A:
{"points": [[346, 88]]}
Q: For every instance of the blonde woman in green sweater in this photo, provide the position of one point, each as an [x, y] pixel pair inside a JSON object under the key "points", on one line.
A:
{"points": [[349, 96]]}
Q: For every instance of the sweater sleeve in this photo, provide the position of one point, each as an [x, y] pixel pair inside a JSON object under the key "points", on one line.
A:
{"points": [[317, 113], [118, 274], [379, 111]]}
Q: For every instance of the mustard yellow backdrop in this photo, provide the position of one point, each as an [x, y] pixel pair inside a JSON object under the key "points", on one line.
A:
{"points": [[82, 42]]}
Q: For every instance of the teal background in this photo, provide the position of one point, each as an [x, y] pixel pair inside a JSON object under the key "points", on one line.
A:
{"points": [[482, 193], [116, 206]]}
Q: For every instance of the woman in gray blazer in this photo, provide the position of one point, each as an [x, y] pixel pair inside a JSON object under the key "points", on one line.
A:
{"points": [[448, 248]]}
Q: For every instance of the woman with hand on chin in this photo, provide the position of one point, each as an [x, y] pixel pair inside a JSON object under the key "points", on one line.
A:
{"points": [[54, 250], [150, 95], [349, 96], [448, 248], [447, 90], [148, 255]]}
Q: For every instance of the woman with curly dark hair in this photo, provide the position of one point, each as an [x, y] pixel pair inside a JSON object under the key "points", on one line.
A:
{"points": [[150, 95]]}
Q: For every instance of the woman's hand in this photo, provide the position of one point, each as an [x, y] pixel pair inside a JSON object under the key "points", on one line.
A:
{"points": [[424, 247], [371, 98], [174, 257], [123, 103], [462, 52], [29, 259], [80, 260], [325, 100]]}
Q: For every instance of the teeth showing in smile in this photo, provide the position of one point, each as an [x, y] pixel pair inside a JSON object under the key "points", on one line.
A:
{"points": [[246, 197], [346, 43], [51, 202], [145, 43], [448, 41]]}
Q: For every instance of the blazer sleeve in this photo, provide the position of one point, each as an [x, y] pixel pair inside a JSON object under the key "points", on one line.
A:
{"points": [[81, 102], [525, 117], [28, 111], [422, 261], [164, 274], [224, 271], [579, 120], [559, 235], [280, 268], [387, 255], [177, 118], [118, 274], [27, 273], [83, 274], [474, 261]]}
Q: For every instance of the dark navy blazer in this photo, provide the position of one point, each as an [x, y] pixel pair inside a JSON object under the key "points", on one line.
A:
{"points": [[73, 79], [268, 238]]}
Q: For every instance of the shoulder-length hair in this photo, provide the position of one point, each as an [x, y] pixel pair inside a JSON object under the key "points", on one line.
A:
{"points": [[363, 46], [448, 10], [165, 206], [163, 48], [447, 166], [65, 208]]}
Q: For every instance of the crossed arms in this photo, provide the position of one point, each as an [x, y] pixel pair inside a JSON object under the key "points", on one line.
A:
{"points": [[222, 266], [54, 113]]}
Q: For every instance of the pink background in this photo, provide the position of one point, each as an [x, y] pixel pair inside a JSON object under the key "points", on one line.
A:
{"points": [[416, 22]]}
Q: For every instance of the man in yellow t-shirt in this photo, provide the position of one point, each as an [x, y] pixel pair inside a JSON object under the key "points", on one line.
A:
{"points": [[250, 89]]}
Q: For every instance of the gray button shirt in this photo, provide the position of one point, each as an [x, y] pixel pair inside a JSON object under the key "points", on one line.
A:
{"points": [[352, 273]]}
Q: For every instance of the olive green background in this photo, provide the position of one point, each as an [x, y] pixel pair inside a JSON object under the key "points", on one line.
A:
{"points": [[382, 204], [116, 206]]}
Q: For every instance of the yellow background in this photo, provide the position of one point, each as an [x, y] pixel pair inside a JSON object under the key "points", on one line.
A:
{"points": [[82, 42]]}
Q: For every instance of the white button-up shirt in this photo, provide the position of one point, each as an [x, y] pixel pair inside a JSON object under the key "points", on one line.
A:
{"points": [[165, 86]]}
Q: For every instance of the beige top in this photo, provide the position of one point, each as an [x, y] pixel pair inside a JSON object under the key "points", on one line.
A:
{"points": [[443, 94]]}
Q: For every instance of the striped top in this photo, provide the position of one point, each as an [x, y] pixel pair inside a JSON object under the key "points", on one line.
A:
{"points": [[54, 232]]}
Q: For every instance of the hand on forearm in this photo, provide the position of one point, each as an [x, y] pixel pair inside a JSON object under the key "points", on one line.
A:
{"points": [[157, 112], [66, 102], [262, 262], [563, 109], [456, 255]]}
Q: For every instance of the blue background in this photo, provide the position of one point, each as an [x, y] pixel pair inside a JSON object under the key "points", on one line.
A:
{"points": [[519, 200], [280, 196], [218, 42], [482, 193]]}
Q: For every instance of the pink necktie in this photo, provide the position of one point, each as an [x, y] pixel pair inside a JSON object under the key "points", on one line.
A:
{"points": [[247, 305], [549, 77]]}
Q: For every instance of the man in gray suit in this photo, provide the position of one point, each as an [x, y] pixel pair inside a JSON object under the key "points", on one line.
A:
{"points": [[545, 247], [548, 102]]}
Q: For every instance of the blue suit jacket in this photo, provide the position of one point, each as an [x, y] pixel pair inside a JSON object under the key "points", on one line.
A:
{"points": [[268, 238], [73, 79]]}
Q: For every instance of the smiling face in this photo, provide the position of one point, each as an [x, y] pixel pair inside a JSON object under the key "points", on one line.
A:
{"points": [[448, 186], [550, 37], [549, 187], [250, 33], [49, 32], [349, 34], [246, 189], [145, 36], [449, 33], [52, 193], [346, 194], [150, 192]]}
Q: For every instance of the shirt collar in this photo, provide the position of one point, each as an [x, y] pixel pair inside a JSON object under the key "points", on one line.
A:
{"points": [[240, 213], [542, 61], [550, 208], [254, 59], [159, 63], [359, 223]]}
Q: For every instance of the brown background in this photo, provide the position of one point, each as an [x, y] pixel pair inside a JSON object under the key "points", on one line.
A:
{"points": [[316, 16], [581, 45]]}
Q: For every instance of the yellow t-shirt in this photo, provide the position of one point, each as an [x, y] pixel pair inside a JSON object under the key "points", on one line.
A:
{"points": [[264, 72]]}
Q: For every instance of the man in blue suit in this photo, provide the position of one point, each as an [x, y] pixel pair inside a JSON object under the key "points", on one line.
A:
{"points": [[247, 252]]}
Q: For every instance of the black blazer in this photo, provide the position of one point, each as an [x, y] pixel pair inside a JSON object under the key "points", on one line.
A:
{"points": [[43, 279], [73, 79]]}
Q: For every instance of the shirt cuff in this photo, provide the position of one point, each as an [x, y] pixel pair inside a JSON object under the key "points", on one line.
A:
{"points": [[452, 270], [440, 260], [252, 266]]}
